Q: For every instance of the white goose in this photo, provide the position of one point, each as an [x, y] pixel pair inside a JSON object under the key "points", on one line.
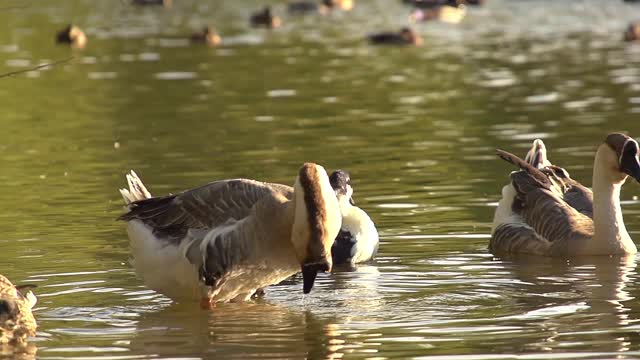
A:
{"points": [[358, 238], [223, 241], [16, 320], [551, 214]]}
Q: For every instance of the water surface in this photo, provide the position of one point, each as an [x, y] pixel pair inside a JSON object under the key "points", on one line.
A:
{"points": [[416, 127]]}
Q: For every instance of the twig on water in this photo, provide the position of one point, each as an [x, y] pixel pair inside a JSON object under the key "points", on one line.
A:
{"points": [[35, 68]]}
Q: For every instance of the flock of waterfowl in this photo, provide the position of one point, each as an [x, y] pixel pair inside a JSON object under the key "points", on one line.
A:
{"points": [[229, 239]]}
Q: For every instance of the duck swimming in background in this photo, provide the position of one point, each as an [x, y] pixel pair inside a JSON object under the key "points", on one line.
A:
{"points": [[265, 18], [165, 3], [545, 212], [324, 7], [225, 240], [445, 13], [16, 320], [73, 36], [405, 36], [206, 36], [357, 241], [633, 32]]}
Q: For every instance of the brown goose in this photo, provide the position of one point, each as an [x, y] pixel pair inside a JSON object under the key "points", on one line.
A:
{"points": [[206, 36], [223, 241], [551, 214], [16, 320], [265, 18]]}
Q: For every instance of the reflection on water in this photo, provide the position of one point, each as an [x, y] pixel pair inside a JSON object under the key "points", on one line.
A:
{"points": [[416, 127]]}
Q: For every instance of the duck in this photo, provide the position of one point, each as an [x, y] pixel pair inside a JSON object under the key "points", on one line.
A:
{"points": [[16, 319], [223, 241], [73, 36], [405, 36], [324, 7], [633, 32], [546, 212], [165, 3], [357, 241], [265, 18], [206, 36], [444, 13]]}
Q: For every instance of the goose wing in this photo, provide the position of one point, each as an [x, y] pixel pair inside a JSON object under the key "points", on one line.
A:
{"points": [[548, 218], [202, 208], [575, 194]]}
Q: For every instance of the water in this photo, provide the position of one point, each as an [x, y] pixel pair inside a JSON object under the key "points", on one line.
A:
{"points": [[416, 127]]}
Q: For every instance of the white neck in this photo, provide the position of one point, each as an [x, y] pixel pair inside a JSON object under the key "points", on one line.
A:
{"points": [[610, 234]]}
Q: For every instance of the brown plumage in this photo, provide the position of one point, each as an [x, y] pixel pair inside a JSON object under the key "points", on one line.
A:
{"points": [[16, 320], [553, 215]]}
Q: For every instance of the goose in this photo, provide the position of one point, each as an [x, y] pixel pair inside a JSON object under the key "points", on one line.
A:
{"points": [[73, 36], [265, 18], [554, 215], [633, 32], [324, 7], [222, 241], [16, 320], [405, 36], [165, 3], [206, 36], [357, 240], [444, 13]]}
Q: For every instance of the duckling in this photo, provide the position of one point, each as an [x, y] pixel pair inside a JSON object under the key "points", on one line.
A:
{"points": [[358, 238], [405, 36], [165, 3], [225, 240], [206, 36], [16, 320], [265, 18], [445, 13], [633, 32], [73, 36]]}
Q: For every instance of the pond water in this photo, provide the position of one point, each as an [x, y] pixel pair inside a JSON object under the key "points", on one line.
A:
{"points": [[416, 127]]}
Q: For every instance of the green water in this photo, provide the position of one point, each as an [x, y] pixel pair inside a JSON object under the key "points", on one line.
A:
{"points": [[416, 127]]}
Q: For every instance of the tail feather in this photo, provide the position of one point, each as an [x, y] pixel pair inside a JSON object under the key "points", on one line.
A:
{"points": [[137, 191]]}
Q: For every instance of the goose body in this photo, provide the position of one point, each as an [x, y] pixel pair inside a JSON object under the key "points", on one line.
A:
{"points": [[405, 36], [206, 36], [357, 241], [444, 13], [72, 35], [632, 33], [546, 212], [223, 241], [16, 320], [265, 18]]}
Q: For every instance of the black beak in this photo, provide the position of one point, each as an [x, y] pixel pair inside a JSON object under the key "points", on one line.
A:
{"points": [[630, 166], [351, 201], [309, 273]]}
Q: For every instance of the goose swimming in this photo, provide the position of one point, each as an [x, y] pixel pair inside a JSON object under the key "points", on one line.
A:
{"points": [[546, 212], [16, 320], [357, 240], [223, 241]]}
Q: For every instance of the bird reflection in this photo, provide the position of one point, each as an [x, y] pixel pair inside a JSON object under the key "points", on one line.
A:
{"points": [[238, 331], [590, 290]]}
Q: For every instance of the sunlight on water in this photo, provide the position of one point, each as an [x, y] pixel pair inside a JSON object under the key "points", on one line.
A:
{"points": [[416, 127]]}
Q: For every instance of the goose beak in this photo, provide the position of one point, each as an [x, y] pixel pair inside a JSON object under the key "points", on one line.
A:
{"points": [[632, 168], [309, 273]]}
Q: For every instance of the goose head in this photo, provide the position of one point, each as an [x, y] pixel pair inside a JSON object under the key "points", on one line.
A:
{"points": [[316, 222], [341, 184], [537, 155], [619, 155], [410, 37]]}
